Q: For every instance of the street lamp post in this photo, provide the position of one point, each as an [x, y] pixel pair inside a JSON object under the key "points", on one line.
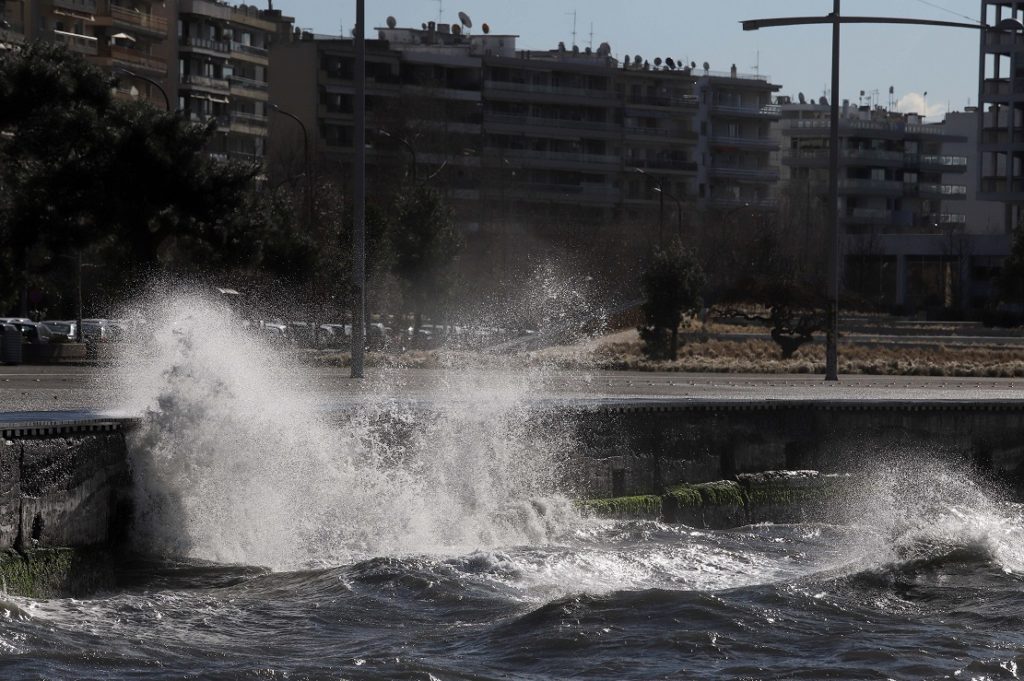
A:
{"points": [[836, 20], [306, 160], [359, 190], [139, 76], [659, 186]]}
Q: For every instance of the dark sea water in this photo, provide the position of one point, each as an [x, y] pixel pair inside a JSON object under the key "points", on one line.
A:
{"points": [[398, 545], [608, 601]]}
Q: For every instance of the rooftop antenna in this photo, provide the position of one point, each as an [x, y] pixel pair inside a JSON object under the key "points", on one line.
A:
{"points": [[440, 10], [591, 44], [892, 97], [573, 13], [757, 66]]}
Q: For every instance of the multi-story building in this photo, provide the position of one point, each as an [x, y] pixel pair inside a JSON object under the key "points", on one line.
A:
{"points": [[223, 70], [903, 202], [204, 58], [557, 136], [12, 23], [1001, 101]]}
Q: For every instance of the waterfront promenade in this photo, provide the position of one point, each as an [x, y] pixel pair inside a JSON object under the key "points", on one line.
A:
{"points": [[45, 388]]}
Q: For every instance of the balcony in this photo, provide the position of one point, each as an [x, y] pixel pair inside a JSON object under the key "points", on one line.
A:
{"points": [[769, 111], [247, 123], [942, 191], [664, 165], [250, 52], [248, 87], [872, 187], [75, 42], [137, 20], [136, 60], [685, 101], [82, 6], [670, 133], [944, 164], [742, 202], [563, 157], [764, 143], [218, 47], [548, 89], [205, 82], [537, 121], [745, 174], [1003, 87]]}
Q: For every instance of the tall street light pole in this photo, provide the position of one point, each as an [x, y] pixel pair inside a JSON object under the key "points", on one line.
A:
{"points": [[661, 203], [359, 189], [836, 19]]}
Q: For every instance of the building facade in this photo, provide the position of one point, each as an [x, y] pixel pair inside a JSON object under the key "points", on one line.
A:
{"points": [[554, 136], [204, 58]]}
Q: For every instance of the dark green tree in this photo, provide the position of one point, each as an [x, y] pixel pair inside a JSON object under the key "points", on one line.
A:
{"points": [[672, 286], [424, 245], [127, 184], [1010, 282]]}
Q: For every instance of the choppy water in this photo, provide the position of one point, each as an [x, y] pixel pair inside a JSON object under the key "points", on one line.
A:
{"points": [[295, 548]]}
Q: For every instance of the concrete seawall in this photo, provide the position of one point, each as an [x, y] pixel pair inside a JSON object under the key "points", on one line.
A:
{"points": [[64, 503], [65, 489], [646, 446]]}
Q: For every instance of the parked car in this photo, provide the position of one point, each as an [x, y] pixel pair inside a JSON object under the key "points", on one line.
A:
{"points": [[32, 332], [61, 329]]}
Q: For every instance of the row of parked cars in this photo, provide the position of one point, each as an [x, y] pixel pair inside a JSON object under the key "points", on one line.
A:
{"points": [[381, 336], [62, 330]]}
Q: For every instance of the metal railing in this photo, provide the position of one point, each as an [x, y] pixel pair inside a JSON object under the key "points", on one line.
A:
{"points": [[244, 82], [546, 89], [767, 111], [759, 142], [248, 49], [138, 19], [206, 81], [136, 59], [221, 46]]}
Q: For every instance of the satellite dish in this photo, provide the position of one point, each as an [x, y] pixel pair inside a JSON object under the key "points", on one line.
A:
{"points": [[693, 64], [424, 26], [604, 49], [657, 61], [626, 60], [671, 63], [456, 29], [466, 21], [892, 89], [823, 100], [637, 60], [801, 98], [392, 22], [707, 67], [485, 28]]}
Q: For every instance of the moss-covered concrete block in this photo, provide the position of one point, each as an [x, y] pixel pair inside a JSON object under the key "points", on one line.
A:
{"points": [[644, 507], [51, 573], [684, 504], [723, 504]]}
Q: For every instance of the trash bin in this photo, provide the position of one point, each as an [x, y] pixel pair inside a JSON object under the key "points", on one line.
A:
{"points": [[10, 344]]}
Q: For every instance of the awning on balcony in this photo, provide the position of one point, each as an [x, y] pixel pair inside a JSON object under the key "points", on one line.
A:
{"points": [[219, 100], [85, 16], [123, 36]]}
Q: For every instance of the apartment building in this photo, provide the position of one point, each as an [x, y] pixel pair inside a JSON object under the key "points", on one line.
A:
{"points": [[12, 24], [223, 70], [204, 58], [553, 136], [1001, 101], [904, 202]]}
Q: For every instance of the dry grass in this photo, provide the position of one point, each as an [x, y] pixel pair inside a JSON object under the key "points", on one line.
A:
{"points": [[701, 352]]}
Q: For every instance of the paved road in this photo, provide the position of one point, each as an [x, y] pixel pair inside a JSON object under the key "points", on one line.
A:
{"points": [[26, 388]]}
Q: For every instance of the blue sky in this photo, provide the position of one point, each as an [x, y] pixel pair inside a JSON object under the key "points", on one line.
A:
{"points": [[913, 60]]}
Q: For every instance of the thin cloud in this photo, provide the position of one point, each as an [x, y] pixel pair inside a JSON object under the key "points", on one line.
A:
{"points": [[916, 102]]}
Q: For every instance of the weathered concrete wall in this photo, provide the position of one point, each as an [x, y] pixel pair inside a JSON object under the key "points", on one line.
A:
{"points": [[64, 506], [645, 449]]}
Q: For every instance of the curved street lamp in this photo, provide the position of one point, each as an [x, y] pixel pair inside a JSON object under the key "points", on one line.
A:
{"points": [[139, 76]]}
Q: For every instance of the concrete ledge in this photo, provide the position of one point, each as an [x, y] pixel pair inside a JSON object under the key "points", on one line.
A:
{"points": [[772, 496]]}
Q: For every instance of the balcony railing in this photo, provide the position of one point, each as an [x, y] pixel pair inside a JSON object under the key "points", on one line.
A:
{"points": [[865, 186], [248, 49], [549, 122], [756, 142], [546, 89], [563, 156], [249, 83], [756, 174], [684, 101], [766, 111], [945, 162], [123, 16], [221, 46], [945, 190], [654, 132], [257, 120], [206, 81], [82, 44], [667, 164], [136, 59]]}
